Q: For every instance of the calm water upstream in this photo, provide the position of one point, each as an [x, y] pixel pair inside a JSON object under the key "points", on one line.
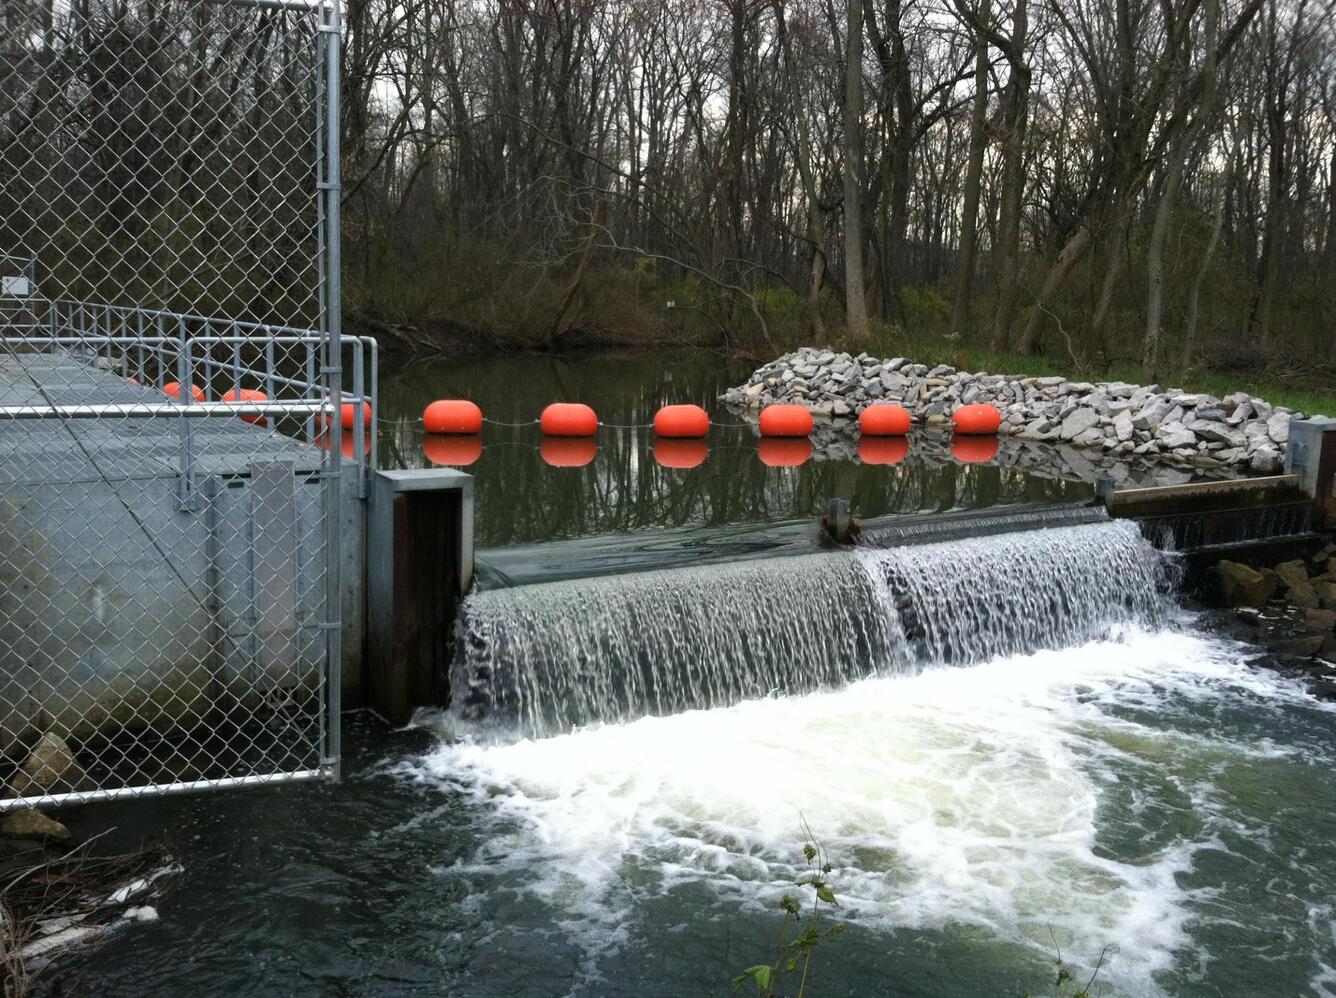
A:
{"points": [[1019, 742], [629, 483]]}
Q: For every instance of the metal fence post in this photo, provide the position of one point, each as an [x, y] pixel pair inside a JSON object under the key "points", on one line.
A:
{"points": [[331, 31]]}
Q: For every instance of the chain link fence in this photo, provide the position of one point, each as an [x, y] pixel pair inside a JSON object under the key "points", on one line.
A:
{"points": [[178, 411]]}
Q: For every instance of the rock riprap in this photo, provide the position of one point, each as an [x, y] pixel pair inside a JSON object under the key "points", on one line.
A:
{"points": [[1239, 431]]}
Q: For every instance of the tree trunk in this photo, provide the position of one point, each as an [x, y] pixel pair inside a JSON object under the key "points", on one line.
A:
{"points": [[855, 304], [1013, 182], [816, 220], [1150, 348], [1203, 268], [1112, 271], [1074, 249], [566, 309], [969, 220]]}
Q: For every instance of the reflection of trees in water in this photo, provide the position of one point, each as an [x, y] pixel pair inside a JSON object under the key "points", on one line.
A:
{"points": [[521, 499]]}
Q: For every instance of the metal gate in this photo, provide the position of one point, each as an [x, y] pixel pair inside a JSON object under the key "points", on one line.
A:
{"points": [[180, 420]]}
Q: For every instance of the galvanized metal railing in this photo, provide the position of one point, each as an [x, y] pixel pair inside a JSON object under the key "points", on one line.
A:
{"points": [[156, 347]]}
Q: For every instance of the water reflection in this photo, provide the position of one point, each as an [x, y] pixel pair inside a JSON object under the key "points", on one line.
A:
{"points": [[530, 488], [453, 451]]}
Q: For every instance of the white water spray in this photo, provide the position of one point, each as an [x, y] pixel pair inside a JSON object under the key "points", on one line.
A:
{"points": [[549, 658]]}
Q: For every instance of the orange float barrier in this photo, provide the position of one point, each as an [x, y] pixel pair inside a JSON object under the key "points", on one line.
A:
{"points": [[247, 395], [784, 452], [173, 390], [785, 420], [672, 452], [457, 450], [974, 449], [452, 416], [568, 452], [681, 421], [884, 419], [978, 418], [882, 450], [568, 419]]}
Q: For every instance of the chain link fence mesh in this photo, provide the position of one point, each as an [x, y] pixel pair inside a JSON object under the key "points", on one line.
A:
{"points": [[177, 410]]}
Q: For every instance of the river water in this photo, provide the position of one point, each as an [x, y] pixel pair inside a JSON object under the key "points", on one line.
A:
{"points": [[1063, 759]]}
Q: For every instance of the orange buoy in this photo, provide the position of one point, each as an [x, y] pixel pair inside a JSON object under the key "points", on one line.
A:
{"points": [[976, 449], [568, 452], [247, 395], [979, 418], [452, 416], [681, 421], [456, 449], [568, 419], [346, 448], [884, 419], [348, 413], [674, 452], [784, 452], [173, 389], [882, 450], [785, 420]]}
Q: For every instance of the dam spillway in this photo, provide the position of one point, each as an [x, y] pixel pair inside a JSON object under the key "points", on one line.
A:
{"points": [[548, 658]]}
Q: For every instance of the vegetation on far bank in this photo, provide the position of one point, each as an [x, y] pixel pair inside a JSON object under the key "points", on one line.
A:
{"points": [[1137, 190], [633, 310]]}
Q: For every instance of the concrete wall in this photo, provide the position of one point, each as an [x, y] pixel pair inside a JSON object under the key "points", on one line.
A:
{"points": [[119, 608]]}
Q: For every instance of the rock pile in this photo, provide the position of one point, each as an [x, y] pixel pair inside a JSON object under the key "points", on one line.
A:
{"points": [[1238, 432], [1292, 605]]}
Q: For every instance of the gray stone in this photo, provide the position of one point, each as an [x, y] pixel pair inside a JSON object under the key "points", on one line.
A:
{"points": [[1292, 573], [1151, 416], [1078, 422], [1243, 412], [49, 768], [1326, 593], [1304, 596], [1265, 461], [30, 823], [1301, 644], [1218, 432], [1122, 426], [1278, 427], [1241, 585], [1174, 435], [1039, 429]]}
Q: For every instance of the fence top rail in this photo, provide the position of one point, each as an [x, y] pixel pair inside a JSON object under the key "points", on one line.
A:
{"points": [[265, 328], [105, 339], [150, 410]]}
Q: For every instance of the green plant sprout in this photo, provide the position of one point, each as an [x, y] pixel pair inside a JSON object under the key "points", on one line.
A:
{"points": [[794, 956]]}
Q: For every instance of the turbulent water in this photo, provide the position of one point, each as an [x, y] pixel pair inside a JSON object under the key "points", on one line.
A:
{"points": [[1104, 774], [1145, 791], [547, 658]]}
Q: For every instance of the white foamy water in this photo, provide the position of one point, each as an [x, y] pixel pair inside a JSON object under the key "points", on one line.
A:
{"points": [[978, 796]]}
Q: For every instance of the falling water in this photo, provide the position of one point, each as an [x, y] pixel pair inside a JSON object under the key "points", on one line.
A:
{"points": [[556, 656]]}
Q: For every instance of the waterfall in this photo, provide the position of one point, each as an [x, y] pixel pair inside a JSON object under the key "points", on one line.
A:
{"points": [[546, 658]]}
